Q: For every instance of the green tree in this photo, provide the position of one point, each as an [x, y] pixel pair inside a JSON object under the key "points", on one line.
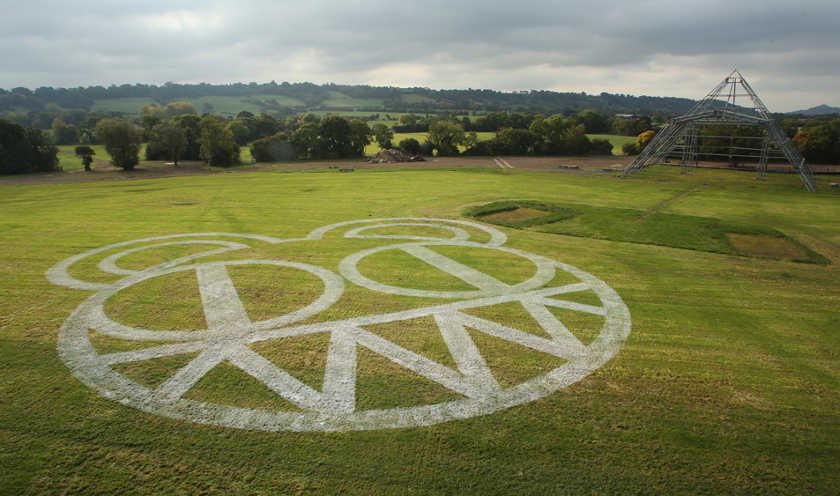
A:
{"points": [[64, 134], [360, 134], [173, 109], [150, 116], [122, 140], [191, 124], [336, 140], [275, 148], [240, 131], [306, 140], [170, 138], [383, 135], [410, 146], [218, 146], [446, 136], [575, 141], [85, 153], [24, 150]]}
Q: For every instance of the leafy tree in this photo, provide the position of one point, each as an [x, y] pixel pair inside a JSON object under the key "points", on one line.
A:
{"points": [[601, 147], [445, 136], [383, 135], [218, 146], [360, 134], [644, 138], [335, 136], [306, 140], [630, 149], [122, 140], [410, 146], [593, 121], [819, 142], [171, 138], [85, 153], [240, 131], [513, 142], [575, 141], [275, 148], [24, 150], [408, 120], [265, 125], [550, 134], [191, 124], [64, 134], [174, 109]]}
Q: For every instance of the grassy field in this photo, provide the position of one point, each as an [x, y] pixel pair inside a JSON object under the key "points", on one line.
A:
{"points": [[727, 384]]}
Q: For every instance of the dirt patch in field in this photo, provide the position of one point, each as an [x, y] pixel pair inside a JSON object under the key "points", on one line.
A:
{"points": [[766, 246], [516, 215]]}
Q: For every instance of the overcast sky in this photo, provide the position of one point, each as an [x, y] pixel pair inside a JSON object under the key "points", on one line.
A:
{"points": [[788, 50]]}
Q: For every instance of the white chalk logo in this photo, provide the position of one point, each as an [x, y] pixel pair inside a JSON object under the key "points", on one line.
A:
{"points": [[231, 334]]}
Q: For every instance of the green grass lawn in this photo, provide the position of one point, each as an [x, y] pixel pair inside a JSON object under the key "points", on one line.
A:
{"points": [[727, 384]]}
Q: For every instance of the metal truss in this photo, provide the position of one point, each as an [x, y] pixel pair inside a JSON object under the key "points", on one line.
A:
{"points": [[684, 139]]}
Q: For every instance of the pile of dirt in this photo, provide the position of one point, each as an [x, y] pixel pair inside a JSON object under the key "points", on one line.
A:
{"points": [[394, 156]]}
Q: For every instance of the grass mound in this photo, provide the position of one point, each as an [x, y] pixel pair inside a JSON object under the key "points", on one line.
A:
{"points": [[646, 227]]}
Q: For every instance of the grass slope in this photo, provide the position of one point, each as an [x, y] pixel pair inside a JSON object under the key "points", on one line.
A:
{"points": [[728, 383]]}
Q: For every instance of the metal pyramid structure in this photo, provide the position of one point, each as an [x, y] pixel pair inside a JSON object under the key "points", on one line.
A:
{"points": [[730, 122]]}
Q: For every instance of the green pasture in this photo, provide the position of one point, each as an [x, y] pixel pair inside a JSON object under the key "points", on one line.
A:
{"points": [[727, 384]]}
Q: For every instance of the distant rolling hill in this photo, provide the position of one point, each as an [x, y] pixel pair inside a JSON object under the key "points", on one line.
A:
{"points": [[818, 110], [288, 98]]}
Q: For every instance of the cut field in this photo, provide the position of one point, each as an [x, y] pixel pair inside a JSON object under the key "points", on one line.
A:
{"points": [[728, 382]]}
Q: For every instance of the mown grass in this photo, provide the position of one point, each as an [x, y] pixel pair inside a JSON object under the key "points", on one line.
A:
{"points": [[728, 383], [649, 227]]}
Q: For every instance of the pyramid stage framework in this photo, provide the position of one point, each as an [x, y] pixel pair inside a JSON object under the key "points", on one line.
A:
{"points": [[719, 128]]}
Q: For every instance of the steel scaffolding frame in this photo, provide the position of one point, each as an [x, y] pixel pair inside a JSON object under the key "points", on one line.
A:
{"points": [[682, 140]]}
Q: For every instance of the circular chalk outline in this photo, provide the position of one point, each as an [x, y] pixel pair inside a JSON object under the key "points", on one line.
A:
{"points": [[349, 268], [85, 362]]}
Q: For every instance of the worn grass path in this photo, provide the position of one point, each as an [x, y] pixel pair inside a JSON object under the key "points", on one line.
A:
{"points": [[728, 383]]}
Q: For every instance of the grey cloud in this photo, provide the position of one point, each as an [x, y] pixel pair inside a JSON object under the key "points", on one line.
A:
{"points": [[599, 45]]}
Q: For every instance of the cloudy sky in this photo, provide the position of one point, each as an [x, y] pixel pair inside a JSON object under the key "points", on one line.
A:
{"points": [[789, 50]]}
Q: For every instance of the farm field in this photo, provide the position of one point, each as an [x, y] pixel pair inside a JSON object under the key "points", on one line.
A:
{"points": [[727, 382]]}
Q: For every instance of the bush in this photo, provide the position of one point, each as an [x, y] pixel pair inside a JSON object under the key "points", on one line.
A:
{"points": [[601, 147], [629, 149], [410, 146]]}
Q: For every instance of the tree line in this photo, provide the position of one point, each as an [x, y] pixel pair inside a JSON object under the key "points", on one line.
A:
{"points": [[311, 96], [176, 132]]}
